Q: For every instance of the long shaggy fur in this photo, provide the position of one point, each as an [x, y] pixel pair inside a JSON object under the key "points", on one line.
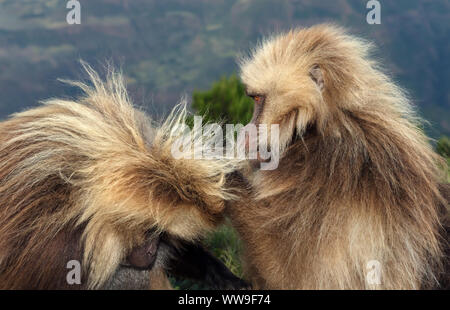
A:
{"points": [[358, 181], [99, 172]]}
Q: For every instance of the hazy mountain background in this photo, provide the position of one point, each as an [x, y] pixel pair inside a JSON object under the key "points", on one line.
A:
{"points": [[168, 48]]}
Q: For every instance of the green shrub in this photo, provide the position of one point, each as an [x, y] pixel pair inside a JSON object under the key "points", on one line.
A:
{"points": [[225, 102], [443, 148]]}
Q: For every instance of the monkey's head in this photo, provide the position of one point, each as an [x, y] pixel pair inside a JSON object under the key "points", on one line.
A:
{"points": [[144, 198], [310, 79], [100, 167]]}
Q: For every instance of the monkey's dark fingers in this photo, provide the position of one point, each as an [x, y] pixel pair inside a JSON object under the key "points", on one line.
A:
{"points": [[194, 262], [222, 278]]}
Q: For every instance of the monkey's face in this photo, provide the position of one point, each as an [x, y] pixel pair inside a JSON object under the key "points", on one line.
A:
{"points": [[286, 84]]}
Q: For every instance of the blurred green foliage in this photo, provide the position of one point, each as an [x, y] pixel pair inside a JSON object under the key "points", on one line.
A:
{"points": [[226, 245], [225, 102], [443, 148]]}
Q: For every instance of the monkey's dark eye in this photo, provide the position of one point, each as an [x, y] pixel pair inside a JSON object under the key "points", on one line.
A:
{"points": [[259, 99]]}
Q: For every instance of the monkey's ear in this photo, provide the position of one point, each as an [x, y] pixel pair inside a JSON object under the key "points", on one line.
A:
{"points": [[317, 76]]}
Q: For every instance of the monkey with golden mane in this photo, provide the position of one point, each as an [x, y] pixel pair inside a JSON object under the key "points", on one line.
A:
{"points": [[357, 181], [93, 180]]}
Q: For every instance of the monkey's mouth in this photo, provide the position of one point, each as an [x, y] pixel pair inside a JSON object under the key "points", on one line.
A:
{"points": [[253, 149]]}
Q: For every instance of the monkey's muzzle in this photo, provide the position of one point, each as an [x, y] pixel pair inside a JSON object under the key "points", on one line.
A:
{"points": [[144, 256], [251, 146]]}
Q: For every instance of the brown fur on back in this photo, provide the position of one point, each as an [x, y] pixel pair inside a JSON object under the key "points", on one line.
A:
{"points": [[99, 171], [357, 180]]}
